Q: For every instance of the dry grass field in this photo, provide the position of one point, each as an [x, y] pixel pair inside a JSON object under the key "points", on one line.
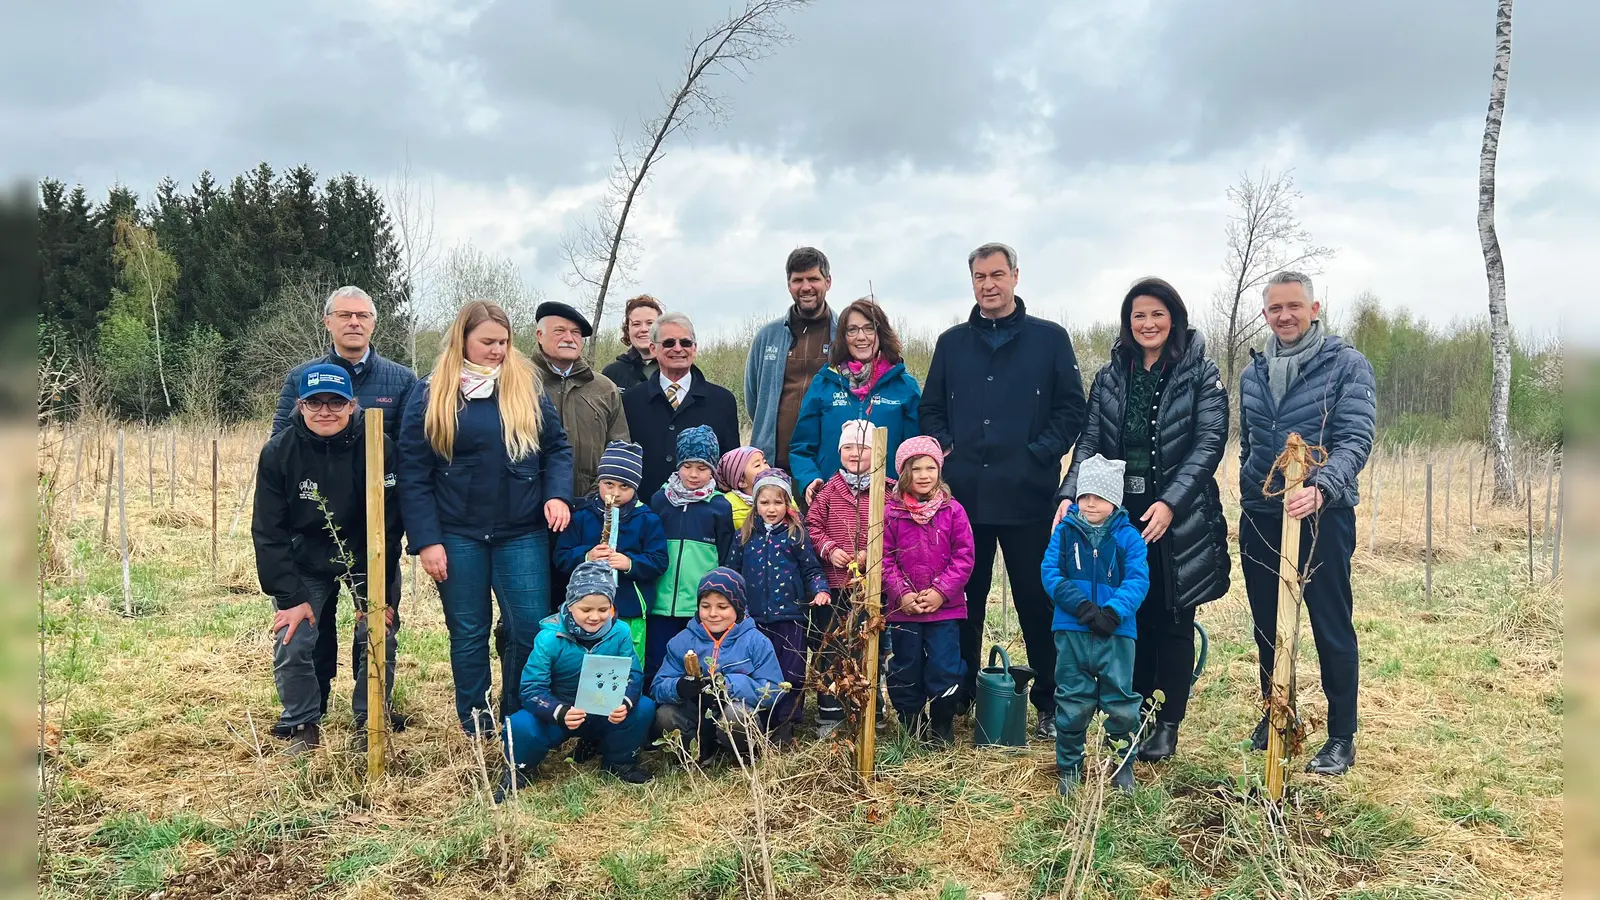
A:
{"points": [[159, 778]]}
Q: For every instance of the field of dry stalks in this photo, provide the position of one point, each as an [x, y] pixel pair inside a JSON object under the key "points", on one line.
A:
{"points": [[158, 778]]}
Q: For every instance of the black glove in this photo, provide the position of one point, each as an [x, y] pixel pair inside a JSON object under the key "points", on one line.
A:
{"points": [[1105, 622], [689, 688], [1086, 612]]}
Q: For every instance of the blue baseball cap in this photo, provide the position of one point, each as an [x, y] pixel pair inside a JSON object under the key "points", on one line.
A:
{"points": [[325, 378]]}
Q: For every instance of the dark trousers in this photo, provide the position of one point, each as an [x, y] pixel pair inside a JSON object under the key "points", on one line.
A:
{"points": [[727, 726], [658, 630], [789, 643], [1024, 547], [297, 665], [1164, 653], [1327, 542], [926, 663], [823, 620]]}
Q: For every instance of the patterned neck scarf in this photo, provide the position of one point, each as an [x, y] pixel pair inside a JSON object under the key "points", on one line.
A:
{"points": [[477, 382], [864, 377], [858, 483], [923, 511], [681, 496]]}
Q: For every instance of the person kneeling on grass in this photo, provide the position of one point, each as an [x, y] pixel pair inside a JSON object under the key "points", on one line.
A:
{"points": [[586, 624], [726, 643], [1095, 571]]}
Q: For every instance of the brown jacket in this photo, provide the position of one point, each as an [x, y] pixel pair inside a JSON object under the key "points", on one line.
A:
{"points": [[591, 412]]}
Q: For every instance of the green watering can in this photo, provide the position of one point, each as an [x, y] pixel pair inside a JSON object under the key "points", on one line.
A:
{"points": [[1001, 718]]}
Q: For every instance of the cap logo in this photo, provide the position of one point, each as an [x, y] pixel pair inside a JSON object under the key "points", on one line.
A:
{"points": [[316, 378]]}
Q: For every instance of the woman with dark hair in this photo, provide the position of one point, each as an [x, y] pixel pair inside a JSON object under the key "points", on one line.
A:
{"points": [[865, 378], [1160, 406], [635, 365]]}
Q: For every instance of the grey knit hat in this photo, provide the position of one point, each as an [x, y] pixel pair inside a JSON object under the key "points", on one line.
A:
{"points": [[589, 578], [1103, 478]]}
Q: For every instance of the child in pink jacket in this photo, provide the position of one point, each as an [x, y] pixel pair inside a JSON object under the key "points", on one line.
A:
{"points": [[927, 559]]}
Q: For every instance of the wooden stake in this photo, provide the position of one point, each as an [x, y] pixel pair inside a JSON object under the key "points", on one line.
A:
{"points": [[215, 465], [1472, 508], [1530, 524], [866, 743], [105, 514], [1288, 636], [377, 599], [77, 482], [1555, 547], [1427, 531], [122, 517], [1549, 496], [172, 467], [1449, 480], [150, 469], [1377, 487]]}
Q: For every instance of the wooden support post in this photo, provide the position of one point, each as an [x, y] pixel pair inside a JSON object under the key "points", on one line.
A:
{"points": [[1449, 481], [1377, 500], [1530, 523], [866, 743], [172, 467], [215, 465], [1288, 632], [150, 469], [1472, 507], [1549, 496], [377, 599], [1555, 546], [105, 514], [77, 482], [1427, 532], [122, 517]]}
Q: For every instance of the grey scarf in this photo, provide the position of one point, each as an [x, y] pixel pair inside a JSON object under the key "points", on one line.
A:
{"points": [[1283, 363]]}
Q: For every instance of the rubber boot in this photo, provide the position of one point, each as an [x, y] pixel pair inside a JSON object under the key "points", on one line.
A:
{"points": [[942, 721]]}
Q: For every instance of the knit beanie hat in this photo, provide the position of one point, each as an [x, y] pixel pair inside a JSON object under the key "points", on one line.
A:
{"points": [[725, 581], [622, 461], [773, 478], [731, 467], [698, 444], [856, 431], [1103, 478], [921, 445], [590, 578]]}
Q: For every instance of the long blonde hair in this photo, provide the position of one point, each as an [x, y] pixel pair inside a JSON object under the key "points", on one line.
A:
{"points": [[519, 387]]}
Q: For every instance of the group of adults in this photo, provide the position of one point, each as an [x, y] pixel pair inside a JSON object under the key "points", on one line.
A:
{"points": [[487, 467]]}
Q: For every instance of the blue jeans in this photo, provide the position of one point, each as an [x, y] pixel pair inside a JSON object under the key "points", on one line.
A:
{"points": [[519, 572], [1093, 673], [529, 740]]}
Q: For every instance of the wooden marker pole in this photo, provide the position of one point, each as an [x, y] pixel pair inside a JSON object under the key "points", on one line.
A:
{"points": [[377, 599], [1288, 636], [866, 743], [1427, 530], [105, 514], [172, 468], [215, 464], [122, 519]]}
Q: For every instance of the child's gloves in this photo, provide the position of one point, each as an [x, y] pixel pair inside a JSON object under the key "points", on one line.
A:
{"points": [[1086, 612], [1105, 621], [689, 688]]}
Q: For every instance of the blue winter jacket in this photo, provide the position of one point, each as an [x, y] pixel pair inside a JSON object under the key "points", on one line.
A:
{"points": [[763, 379], [699, 538], [746, 659], [378, 383], [781, 573], [828, 404], [480, 492], [641, 541], [1114, 574], [1331, 404], [550, 679]]}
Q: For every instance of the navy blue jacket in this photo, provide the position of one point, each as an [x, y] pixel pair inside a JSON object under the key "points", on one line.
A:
{"points": [[1005, 399], [378, 383], [480, 492], [781, 573], [655, 424], [1331, 404], [641, 540]]}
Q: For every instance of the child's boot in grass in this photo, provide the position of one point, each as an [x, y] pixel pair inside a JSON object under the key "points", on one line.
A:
{"points": [[1068, 782], [629, 773], [942, 721], [512, 779]]}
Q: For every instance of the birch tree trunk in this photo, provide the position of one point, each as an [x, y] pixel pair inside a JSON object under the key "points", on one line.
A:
{"points": [[1505, 489]]}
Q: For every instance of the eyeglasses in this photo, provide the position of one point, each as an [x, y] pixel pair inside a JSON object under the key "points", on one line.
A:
{"points": [[334, 404], [346, 315], [867, 330], [670, 343]]}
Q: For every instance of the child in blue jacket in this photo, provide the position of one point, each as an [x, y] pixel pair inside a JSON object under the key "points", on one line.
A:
{"points": [[1096, 573], [784, 580], [586, 624], [698, 522], [739, 672], [638, 555]]}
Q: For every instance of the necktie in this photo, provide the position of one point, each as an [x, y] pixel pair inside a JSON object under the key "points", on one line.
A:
{"points": [[672, 395]]}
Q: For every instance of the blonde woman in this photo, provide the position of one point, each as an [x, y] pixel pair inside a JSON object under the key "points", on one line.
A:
{"points": [[485, 474]]}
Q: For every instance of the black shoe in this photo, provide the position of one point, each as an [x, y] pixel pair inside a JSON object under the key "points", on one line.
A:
{"points": [[304, 739], [632, 773], [783, 737], [1046, 729], [915, 725], [281, 731], [963, 706], [942, 721], [1258, 738], [1160, 744], [398, 722], [511, 781], [1335, 758], [587, 749], [1122, 779]]}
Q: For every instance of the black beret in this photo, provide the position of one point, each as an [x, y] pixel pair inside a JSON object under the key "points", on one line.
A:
{"points": [[555, 308]]}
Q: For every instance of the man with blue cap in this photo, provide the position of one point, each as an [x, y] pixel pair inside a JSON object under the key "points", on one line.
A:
{"points": [[309, 526]]}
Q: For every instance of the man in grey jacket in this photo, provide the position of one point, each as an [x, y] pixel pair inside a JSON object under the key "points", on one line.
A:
{"points": [[1314, 384], [787, 354]]}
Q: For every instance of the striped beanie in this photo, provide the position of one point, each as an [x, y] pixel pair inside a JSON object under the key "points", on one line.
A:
{"points": [[698, 444], [725, 581], [622, 461], [731, 467]]}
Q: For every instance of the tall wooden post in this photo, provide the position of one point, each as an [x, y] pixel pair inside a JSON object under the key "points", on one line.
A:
{"points": [[122, 530], [1555, 546], [215, 466], [377, 599], [105, 513], [866, 743], [1288, 636], [1427, 530], [172, 467]]}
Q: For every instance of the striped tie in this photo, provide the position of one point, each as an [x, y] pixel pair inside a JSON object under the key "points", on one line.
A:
{"points": [[672, 394]]}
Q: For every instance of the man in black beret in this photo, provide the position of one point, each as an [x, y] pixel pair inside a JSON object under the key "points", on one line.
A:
{"points": [[589, 403]]}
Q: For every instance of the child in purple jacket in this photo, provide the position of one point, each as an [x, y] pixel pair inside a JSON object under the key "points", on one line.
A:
{"points": [[927, 559]]}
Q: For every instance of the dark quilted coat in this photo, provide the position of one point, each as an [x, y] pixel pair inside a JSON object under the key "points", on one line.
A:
{"points": [[381, 384], [1190, 435], [1331, 404]]}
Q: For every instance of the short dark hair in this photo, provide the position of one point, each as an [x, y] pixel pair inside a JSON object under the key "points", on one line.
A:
{"points": [[888, 342], [1177, 339], [804, 259], [635, 303]]}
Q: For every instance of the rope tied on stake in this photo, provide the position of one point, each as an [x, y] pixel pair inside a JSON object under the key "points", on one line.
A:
{"points": [[1295, 450]]}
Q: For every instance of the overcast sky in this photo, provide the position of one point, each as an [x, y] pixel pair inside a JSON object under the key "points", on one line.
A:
{"points": [[1098, 138]]}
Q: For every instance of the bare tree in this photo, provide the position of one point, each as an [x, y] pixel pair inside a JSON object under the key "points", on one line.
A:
{"points": [[469, 273], [1505, 483], [600, 252], [411, 205], [288, 332], [1264, 238]]}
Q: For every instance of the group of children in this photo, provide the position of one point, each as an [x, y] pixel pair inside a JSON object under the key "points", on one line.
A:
{"points": [[717, 591]]}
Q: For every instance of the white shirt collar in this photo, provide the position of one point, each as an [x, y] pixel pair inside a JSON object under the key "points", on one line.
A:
{"points": [[682, 383]]}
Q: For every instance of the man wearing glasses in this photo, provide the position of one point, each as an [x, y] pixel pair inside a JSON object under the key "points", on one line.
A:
{"points": [[678, 397], [351, 317], [788, 353], [309, 525]]}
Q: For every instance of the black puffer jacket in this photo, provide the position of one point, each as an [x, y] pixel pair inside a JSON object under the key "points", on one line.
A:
{"points": [[381, 384], [1191, 433]]}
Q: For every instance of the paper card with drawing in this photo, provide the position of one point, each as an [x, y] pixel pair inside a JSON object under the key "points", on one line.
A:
{"points": [[602, 683]]}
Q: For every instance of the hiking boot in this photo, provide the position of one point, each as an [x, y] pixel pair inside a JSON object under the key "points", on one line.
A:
{"points": [[1046, 729], [1160, 744], [398, 722], [1335, 758], [942, 722], [511, 780], [1067, 783], [1258, 738], [304, 739], [587, 749], [631, 773], [1122, 779]]}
